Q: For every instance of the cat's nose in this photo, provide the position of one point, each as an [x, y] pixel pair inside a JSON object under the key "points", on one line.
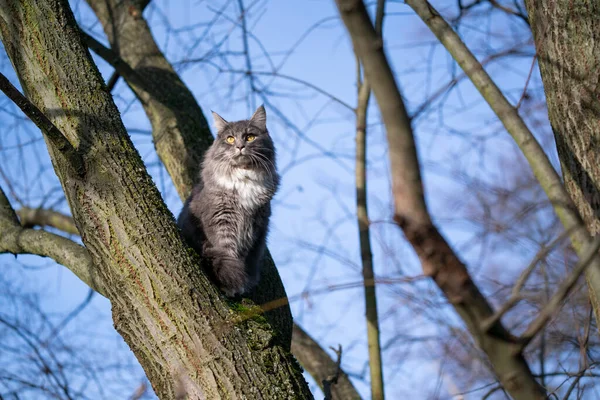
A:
{"points": [[240, 147]]}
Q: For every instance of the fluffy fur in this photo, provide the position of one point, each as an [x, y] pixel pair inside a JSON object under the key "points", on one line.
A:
{"points": [[226, 218]]}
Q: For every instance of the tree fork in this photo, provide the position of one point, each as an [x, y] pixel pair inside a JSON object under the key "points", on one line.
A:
{"points": [[179, 128], [179, 327]]}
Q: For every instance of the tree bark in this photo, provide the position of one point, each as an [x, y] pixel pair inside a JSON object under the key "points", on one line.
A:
{"points": [[270, 294], [567, 40], [179, 128], [18, 240], [438, 259], [186, 337]]}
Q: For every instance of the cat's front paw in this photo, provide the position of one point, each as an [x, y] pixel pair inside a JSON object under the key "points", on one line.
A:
{"points": [[231, 275]]}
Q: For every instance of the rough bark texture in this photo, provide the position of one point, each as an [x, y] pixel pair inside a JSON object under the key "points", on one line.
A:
{"points": [[75, 257], [181, 330], [437, 257], [179, 128], [315, 360], [567, 40], [16, 239]]}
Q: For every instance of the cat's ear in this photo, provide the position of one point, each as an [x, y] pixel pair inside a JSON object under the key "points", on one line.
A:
{"points": [[259, 118], [219, 121]]}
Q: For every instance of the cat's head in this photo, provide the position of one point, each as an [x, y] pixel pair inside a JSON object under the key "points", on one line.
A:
{"points": [[244, 144]]}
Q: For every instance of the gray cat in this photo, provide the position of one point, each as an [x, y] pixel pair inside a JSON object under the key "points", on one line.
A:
{"points": [[226, 217]]}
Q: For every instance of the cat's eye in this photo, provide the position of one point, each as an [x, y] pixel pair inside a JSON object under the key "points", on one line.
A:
{"points": [[230, 139], [250, 138]]}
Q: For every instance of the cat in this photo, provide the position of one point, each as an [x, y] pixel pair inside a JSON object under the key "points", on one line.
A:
{"points": [[226, 218]]}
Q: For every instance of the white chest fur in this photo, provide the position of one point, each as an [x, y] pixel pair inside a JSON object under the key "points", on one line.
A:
{"points": [[252, 187]]}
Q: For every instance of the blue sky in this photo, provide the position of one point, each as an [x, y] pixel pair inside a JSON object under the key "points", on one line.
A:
{"points": [[314, 238]]}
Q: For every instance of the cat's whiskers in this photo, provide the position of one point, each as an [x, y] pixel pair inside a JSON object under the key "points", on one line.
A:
{"points": [[227, 214], [258, 162], [268, 164]]}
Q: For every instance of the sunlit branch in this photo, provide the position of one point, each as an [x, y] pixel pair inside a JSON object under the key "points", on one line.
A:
{"points": [[15, 239], [54, 135], [531, 148], [437, 257]]}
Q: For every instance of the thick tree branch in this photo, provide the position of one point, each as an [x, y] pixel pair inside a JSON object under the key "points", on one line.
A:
{"points": [[51, 132], [179, 128], [534, 153], [438, 259], [174, 320], [15, 239], [308, 352], [31, 217]]}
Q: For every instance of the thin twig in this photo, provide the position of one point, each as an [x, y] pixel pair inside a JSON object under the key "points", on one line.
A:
{"points": [[247, 50], [554, 304], [524, 94], [72, 315], [516, 295], [112, 81], [577, 376], [140, 392], [362, 216], [333, 379], [111, 57]]}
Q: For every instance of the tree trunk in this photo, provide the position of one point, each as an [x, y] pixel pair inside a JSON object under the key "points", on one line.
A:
{"points": [[567, 39], [185, 336], [179, 128]]}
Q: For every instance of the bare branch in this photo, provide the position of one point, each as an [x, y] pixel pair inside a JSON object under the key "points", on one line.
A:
{"points": [[563, 291], [15, 239], [438, 259], [516, 290], [54, 135], [31, 217], [514, 124], [140, 392], [362, 215]]}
